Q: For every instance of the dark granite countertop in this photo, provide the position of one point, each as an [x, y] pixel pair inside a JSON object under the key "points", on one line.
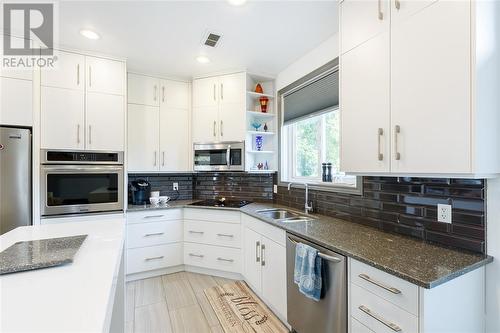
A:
{"points": [[424, 264]]}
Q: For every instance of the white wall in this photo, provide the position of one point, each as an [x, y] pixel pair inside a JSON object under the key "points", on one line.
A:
{"points": [[325, 52], [493, 269]]}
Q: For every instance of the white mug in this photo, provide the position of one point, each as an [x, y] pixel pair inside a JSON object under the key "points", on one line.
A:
{"points": [[164, 199], [154, 201], [155, 194]]}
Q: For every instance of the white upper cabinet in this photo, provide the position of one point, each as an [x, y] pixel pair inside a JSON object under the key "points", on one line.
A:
{"points": [[82, 104], [16, 102], [22, 74], [144, 90], [62, 119], [175, 94], [362, 20], [143, 137], [105, 76], [442, 117], [105, 120], [205, 92], [69, 72], [219, 108], [365, 71], [431, 90], [175, 146]]}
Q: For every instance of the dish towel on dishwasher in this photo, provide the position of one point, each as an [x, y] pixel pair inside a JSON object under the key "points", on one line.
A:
{"points": [[307, 273]]}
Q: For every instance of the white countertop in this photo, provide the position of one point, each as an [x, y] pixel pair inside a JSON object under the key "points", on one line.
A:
{"points": [[73, 298]]}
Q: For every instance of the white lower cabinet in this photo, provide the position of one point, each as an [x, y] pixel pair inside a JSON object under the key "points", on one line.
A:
{"points": [[153, 257], [264, 262], [212, 257], [383, 303]]}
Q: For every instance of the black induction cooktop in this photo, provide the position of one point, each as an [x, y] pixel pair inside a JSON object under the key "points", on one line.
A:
{"points": [[222, 203]]}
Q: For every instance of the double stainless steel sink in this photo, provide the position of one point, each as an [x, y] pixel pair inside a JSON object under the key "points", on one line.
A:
{"points": [[283, 215]]}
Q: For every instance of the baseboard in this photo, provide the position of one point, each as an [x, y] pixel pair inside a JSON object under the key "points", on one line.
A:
{"points": [[214, 272], [154, 273]]}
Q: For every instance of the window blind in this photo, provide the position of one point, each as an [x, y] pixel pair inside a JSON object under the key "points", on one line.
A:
{"points": [[312, 99]]}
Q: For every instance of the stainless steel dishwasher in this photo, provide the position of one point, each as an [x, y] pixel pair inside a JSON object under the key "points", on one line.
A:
{"points": [[329, 315]]}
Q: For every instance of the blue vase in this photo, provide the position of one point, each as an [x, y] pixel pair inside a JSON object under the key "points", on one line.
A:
{"points": [[259, 142]]}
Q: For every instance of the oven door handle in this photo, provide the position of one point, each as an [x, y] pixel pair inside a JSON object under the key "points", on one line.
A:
{"points": [[321, 255], [102, 168], [228, 156]]}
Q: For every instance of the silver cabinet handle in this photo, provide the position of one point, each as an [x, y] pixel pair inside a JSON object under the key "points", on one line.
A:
{"points": [[222, 91], [78, 134], [90, 76], [152, 216], [162, 158], [221, 128], [196, 232], [379, 136], [90, 134], [380, 13], [378, 318], [155, 93], [397, 4], [215, 133], [223, 259], [154, 234], [215, 96], [380, 284], [156, 158], [263, 259], [257, 247], [163, 94], [225, 235], [196, 255], [154, 258], [78, 74], [397, 130]]}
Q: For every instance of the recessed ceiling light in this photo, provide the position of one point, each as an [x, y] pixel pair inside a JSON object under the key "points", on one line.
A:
{"points": [[237, 2], [89, 34], [202, 59]]}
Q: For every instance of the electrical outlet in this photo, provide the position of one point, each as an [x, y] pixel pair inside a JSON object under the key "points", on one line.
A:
{"points": [[175, 186], [444, 213], [275, 188]]}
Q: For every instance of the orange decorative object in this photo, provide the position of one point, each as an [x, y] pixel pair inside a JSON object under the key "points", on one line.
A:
{"points": [[263, 104], [258, 89]]}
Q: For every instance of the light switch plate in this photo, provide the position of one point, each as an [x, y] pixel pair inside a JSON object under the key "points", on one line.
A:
{"points": [[175, 186], [444, 213], [275, 188]]}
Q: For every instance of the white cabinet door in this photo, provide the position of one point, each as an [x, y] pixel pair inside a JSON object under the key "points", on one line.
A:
{"points": [[174, 139], [365, 107], [143, 90], [69, 72], [362, 20], [14, 73], [105, 76], [175, 94], [252, 270], [143, 138], [16, 102], [105, 119], [205, 124], [62, 118], [274, 274], [431, 90], [205, 92], [402, 9], [232, 122], [232, 89]]}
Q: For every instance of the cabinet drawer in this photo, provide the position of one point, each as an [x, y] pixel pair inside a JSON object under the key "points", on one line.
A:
{"points": [[393, 289], [380, 315], [213, 233], [227, 216], [357, 327], [153, 233], [213, 257], [154, 215], [153, 257]]}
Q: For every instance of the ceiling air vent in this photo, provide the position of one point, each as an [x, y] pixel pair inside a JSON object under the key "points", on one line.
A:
{"points": [[212, 39]]}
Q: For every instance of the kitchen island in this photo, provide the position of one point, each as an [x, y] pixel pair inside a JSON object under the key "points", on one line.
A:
{"points": [[84, 296]]}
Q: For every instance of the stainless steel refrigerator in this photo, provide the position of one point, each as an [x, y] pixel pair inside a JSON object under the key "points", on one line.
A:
{"points": [[15, 178]]}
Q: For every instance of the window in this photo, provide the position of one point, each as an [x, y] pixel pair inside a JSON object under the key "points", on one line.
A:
{"points": [[310, 135]]}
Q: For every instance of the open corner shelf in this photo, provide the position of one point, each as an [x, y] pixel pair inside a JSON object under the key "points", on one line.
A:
{"points": [[257, 95]]}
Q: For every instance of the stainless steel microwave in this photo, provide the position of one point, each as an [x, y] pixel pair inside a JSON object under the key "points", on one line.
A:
{"points": [[223, 156], [81, 182]]}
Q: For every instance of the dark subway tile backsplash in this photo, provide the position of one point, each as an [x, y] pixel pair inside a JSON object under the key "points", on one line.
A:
{"points": [[407, 205], [404, 205]]}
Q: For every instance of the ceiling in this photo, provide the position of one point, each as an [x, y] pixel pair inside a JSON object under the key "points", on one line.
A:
{"points": [[164, 37]]}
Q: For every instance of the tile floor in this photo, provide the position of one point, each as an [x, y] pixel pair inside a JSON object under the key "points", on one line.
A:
{"points": [[173, 303]]}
